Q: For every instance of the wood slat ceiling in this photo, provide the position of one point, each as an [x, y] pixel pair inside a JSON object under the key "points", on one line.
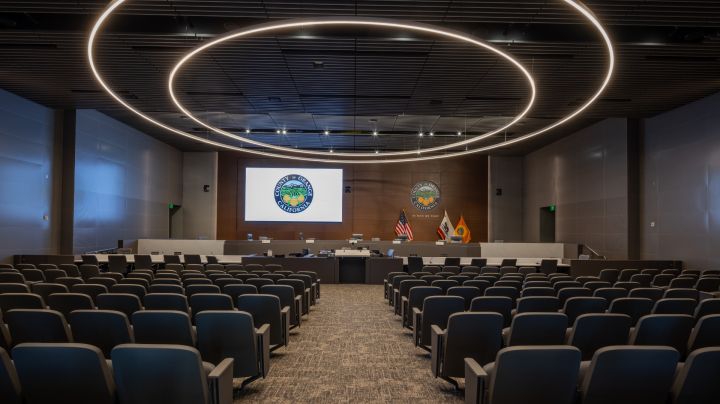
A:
{"points": [[396, 82]]}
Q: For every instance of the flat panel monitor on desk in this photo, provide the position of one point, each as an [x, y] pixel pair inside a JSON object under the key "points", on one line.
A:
{"points": [[402, 237], [293, 194], [357, 236], [456, 239]]}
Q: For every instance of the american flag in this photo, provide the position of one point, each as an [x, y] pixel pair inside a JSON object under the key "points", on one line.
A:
{"points": [[403, 226]]}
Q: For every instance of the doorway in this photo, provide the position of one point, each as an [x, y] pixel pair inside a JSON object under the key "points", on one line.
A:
{"points": [[547, 224], [176, 221]]}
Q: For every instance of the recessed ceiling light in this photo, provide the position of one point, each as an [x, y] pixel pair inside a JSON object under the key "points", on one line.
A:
{"points": [[284, 131], [331, 150], [277, 131], [376, 152], [431, 133], [247, 130], [318, 65], [459, 133], [374, 133], [420, 134], [327, 132]]}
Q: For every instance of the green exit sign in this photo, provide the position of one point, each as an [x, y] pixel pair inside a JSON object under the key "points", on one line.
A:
{"points": [[552, 208], [171, 206]]}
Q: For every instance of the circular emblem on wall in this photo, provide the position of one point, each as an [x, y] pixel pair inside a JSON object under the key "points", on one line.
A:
{"points": [[293, 193], [425, 195]]}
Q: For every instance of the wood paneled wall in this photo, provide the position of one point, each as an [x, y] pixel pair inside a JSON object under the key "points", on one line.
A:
{"points": [[378, 193]]}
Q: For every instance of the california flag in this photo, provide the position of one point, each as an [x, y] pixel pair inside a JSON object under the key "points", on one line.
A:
{"points": [[446, 228]]}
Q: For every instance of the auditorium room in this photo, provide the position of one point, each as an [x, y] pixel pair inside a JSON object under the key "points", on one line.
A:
{"points": [[359, 201]]}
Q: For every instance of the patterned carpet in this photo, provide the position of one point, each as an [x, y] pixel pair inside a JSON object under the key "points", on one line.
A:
{"points": [[351, 349]]}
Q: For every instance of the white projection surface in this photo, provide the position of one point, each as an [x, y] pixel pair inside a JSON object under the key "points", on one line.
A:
{"points": [[293, 194]]}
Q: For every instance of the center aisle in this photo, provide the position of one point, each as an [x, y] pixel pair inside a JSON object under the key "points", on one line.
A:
{"points": [[351, 349]]}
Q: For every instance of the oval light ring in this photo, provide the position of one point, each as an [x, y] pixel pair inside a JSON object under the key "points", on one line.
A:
{"points": [[576, 4], [270, 26]]}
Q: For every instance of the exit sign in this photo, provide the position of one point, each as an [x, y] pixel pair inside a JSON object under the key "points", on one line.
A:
{"points": [[552, 208]]}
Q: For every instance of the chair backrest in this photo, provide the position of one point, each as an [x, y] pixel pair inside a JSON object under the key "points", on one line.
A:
{"points": [[286, 294], [126, 303], [245, 277], [259, 282], [653, 294], [64, 373], [167, 301], [307, 279], [52, 274], [117, 263], [609, 275], [174, 266], [141, 275], [192, 259], [470, 335], [196, 281], [419, 275], [489, 270], [159, 374], [610, 294], [538, 304], [558, 286], [143, 262], [200, 302], [625, 375], [548, 266], [171, 259], [42, 326], [214, 267], [253, 267], [33, 275], [675, 306], [707, 307], [71, 270], [229, 334], [508, 270], [405, 286], [537, 329], [193, 289], [577, 306], [494, 304], [644, 280], [100, 280], [537, 291], [222, 282], [466, 292], [445, 284], [12, 301], [12, 277], [626, 274], [264, 309], [14, 288], [706, 333], [682, 283], [511, 283], [455, 269], [10, 388], [104, 329], [162, 288], [118, 277], [697, 380], [297, 285], [395, 281], [436, 311], [562, 278], [684, 293], [506, 291], [234, 291], [162, 327], [567, 293], [662, 280], [470, 269], [288, 273], [480, 285], [508, 262], [417, 296], [195, 267], [478, 262], [273, 267], [415, 264], [598, 330], [137, 290], [211, 259], [88, 271], [632, 306], [273, 277], [66, 303], [651, 272], [135, 281], [432, 278], [89, 259], [91, 290], [548, 375], [533, 283], [708, 285], [663, 330], [527, 270]]}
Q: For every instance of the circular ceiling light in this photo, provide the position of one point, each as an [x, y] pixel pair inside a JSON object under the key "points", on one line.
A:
{"points": [[365, 21], [576, 4]]}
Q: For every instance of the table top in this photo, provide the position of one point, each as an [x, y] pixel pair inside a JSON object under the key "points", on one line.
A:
{"points": [[491, 261]]}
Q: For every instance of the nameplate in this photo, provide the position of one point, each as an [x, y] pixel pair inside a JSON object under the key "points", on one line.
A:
{"points": [[309, 241], [265, 241], [397, 242], [439, 243], [353, 241]]}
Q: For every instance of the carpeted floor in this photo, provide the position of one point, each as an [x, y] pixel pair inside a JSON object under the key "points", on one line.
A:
{"points": [[350, 349]]}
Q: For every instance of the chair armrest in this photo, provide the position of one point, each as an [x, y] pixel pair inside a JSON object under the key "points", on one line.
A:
{"points": [[298, 309], [221, 383], [404, 320], [285, 317], [396, 301], [475, 379], [263, 336], [385, 287], [436, 353], [417, 324]]}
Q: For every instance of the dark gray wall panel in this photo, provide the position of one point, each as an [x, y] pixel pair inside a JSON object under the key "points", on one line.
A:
{"points": [[585, 177], [27, 156], [124, 181], [680, 185]]}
